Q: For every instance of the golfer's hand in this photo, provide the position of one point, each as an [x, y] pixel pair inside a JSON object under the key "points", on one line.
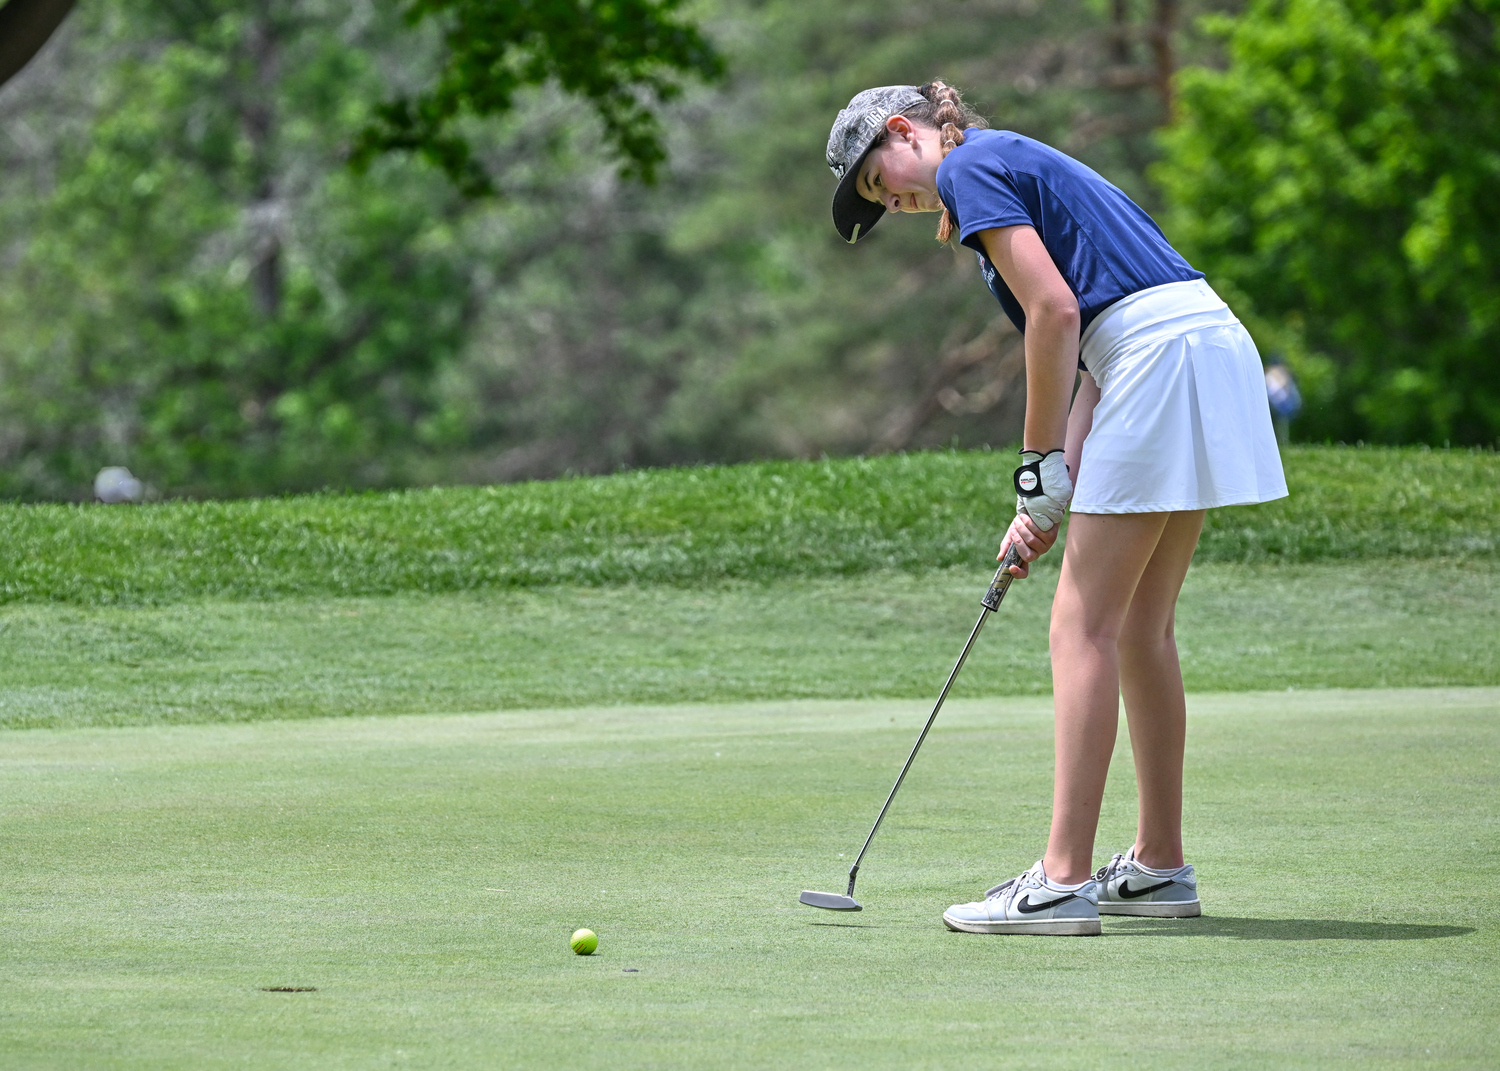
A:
{"points": [[1044, 487], [1030, 542]]}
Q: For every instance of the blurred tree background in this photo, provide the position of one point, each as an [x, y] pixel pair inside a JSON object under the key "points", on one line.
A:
{"points": [[194, 283], [1340, 183]]}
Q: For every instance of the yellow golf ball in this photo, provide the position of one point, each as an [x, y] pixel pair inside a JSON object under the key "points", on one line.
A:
{"points": [[584, 942]]}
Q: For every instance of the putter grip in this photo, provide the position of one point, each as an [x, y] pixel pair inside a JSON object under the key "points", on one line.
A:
{"points": [[1001, 583]]}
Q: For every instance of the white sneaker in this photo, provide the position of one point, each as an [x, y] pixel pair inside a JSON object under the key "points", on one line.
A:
{"points": [[1129, 888], [1030, 904]]}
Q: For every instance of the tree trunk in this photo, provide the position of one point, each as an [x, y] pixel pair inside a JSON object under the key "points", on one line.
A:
{"points": [[1119, 43], [25, 26], [1000, 343], [1163, 61], [258, 117]]}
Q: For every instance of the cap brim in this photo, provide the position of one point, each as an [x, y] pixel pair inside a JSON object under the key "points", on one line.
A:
{"points": [[853, 216]]}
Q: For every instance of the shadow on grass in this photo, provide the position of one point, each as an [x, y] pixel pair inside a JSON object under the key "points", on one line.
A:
{"points": [[1282, 929]]}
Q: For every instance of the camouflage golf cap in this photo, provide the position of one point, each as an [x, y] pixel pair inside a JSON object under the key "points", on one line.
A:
{"points": [[854, 132]]}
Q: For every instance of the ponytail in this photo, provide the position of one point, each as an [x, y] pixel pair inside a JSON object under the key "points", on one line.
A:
{"points": [[951, 116]]}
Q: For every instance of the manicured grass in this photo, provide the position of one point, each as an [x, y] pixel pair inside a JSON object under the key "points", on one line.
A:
{"points": [[889, 634], [423, 873], [686, 527]]}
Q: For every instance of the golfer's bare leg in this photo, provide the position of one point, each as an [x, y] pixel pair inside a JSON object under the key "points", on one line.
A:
{"points": [[1103, 563], [1151, 681]]}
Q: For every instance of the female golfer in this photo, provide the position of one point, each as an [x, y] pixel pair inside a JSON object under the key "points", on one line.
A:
{"points": [[1170, 420]]}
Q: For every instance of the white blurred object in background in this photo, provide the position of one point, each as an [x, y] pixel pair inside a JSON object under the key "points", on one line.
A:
{"points": [[115, 484]]}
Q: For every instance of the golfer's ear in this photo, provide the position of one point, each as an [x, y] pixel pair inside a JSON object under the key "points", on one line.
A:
{"points": [[899, 125]]}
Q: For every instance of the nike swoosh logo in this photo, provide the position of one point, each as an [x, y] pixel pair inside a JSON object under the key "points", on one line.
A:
{"points": [[1127, 893], [1026, 907]]}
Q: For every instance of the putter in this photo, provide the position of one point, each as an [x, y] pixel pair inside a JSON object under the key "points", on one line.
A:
{"points": [[991, 602]]}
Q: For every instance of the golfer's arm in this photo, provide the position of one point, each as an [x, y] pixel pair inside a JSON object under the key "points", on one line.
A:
{"points": [[1051, 330], [1080, 422]]}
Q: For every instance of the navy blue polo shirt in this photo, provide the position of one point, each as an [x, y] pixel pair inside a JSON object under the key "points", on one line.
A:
{"points": [[1103, 244]]}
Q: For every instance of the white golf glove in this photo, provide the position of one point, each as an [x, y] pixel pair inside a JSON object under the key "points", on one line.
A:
{"points": [[1043, 488]]}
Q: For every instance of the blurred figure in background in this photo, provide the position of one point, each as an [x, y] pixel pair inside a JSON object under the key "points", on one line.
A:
{"points": [[1285, 398]]}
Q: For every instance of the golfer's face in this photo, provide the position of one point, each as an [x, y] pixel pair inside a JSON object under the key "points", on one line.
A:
{"points": [[900, 178]]}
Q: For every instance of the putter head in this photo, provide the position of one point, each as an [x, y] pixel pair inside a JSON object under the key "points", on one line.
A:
{"points": [[829, 901]]}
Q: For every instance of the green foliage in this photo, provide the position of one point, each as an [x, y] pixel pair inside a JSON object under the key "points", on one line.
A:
{"points": [[690, 526], [1341, 181], [621, 56], [720, 317], [1367, 502], [258, 320], [204, 293]]}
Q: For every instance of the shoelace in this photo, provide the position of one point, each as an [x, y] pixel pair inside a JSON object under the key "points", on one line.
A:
{"points": [[1104, 872], [1028, 880], [1013, 887], [999, 890]]}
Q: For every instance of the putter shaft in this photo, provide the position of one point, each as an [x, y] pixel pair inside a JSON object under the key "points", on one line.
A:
{"points": [[991, 602]]}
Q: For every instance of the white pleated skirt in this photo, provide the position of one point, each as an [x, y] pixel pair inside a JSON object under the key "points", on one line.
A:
{"points": [[1182, 421]]}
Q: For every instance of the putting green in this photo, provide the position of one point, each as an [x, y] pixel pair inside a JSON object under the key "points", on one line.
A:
{"points": [[423, 875]]}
